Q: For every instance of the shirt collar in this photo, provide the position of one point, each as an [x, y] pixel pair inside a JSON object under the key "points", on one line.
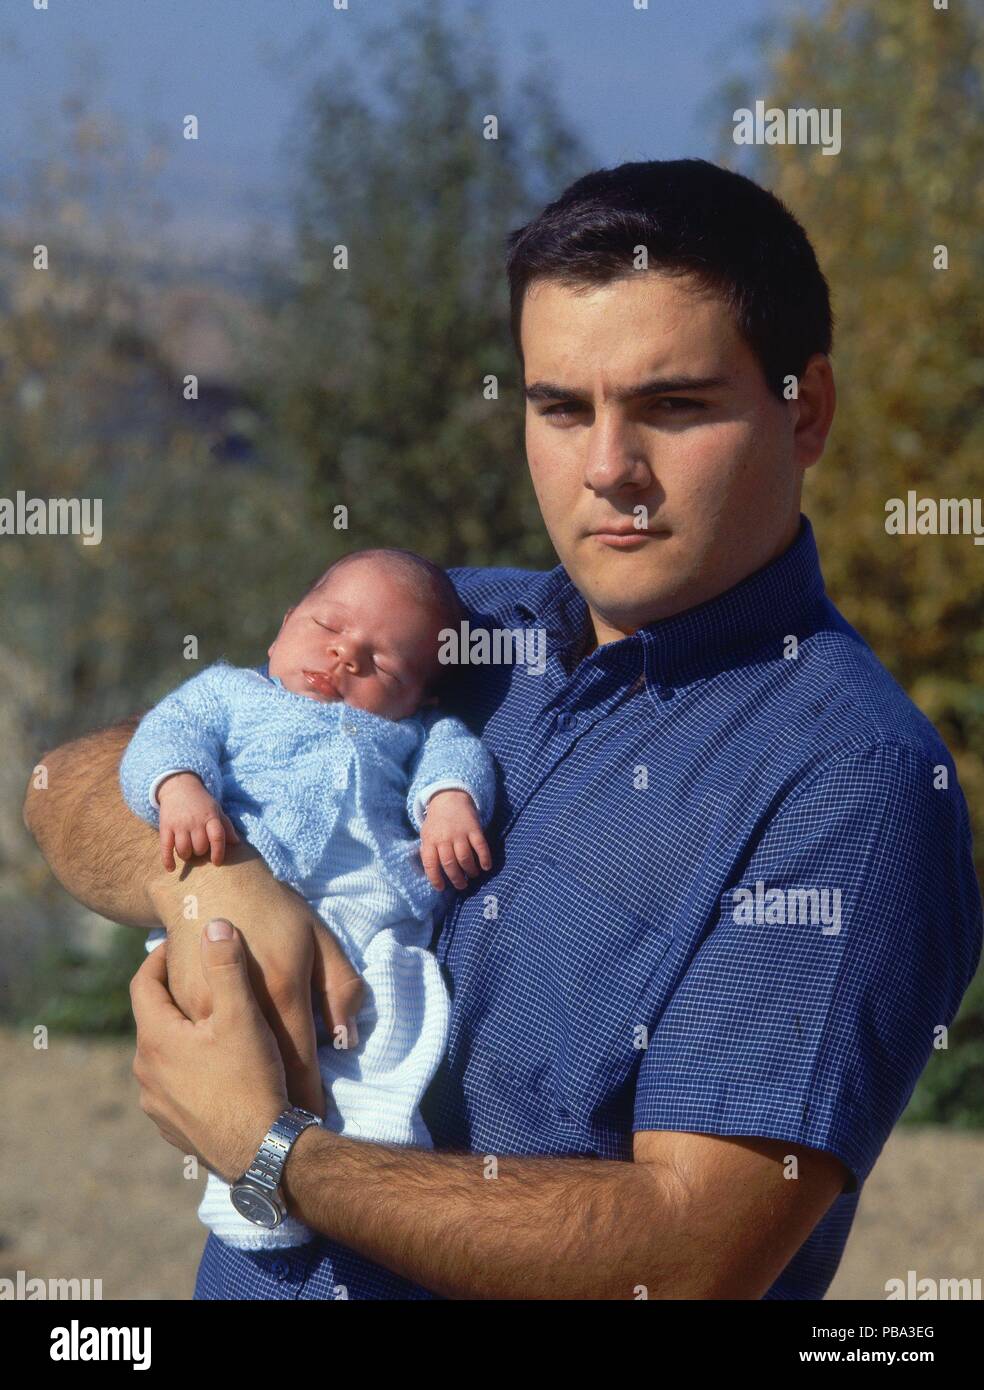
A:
{"points": [[774, 602]]}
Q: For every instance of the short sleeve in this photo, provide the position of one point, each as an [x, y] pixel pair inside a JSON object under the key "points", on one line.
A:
{"points": [[843, 946]]}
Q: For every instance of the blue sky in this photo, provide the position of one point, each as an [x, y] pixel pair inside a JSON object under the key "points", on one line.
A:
{"points": [[632, 82]]}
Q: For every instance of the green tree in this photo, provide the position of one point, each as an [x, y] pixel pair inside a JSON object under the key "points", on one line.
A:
{"points": [[93, 410], [377, 370]]}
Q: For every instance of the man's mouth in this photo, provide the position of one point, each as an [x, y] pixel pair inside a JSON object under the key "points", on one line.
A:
{"points": [[322, 684], [623, 537]]}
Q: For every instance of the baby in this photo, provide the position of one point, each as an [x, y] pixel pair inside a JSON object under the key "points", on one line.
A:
{"points": [[318, 760]]}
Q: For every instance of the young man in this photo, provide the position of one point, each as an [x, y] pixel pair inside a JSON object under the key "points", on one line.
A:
{"points": [[695, 992]]}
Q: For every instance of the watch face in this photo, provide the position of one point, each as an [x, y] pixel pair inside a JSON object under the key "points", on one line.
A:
{"points": [[256, 1206]]}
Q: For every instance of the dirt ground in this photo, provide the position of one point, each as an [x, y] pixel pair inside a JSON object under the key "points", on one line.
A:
{"points": [[89, 1189]]}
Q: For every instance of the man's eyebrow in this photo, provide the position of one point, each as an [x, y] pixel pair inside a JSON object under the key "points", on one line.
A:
{"points": [[657, 386]]}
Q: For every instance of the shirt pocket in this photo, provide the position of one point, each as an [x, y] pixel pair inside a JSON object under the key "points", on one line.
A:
{"points": [[583, 974]]}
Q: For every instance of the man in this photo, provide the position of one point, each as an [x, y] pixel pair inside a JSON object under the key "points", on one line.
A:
{"points": [[732, 901]]}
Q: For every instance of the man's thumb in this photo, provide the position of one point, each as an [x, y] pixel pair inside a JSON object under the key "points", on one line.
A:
{"points": [[224, 965]]}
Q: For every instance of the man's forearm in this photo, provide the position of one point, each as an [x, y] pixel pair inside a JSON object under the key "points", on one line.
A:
{"points": [[102, 853], [467, 1226]]}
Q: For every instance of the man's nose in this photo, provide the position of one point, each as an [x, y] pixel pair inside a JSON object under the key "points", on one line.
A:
{"points": [[615, 456]]}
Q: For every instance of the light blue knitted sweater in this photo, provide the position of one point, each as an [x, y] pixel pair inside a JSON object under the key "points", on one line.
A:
{"points": [[280, 764]]}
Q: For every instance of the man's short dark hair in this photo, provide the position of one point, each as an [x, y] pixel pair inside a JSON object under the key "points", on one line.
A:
{"points": [[694, 218]]}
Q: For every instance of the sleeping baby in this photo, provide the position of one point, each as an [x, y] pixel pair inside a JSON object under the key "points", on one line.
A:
{"points": [[318, 760]]}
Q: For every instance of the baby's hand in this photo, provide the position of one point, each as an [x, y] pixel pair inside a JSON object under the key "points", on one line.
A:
{"points": [[450, 839], [192, 822]]}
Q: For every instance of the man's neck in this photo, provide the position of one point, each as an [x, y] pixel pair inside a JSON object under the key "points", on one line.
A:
{"points": [[599, 633]]}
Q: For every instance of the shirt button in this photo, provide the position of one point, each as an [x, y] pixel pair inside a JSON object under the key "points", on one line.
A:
{"points": [[281, 1269], [566, 720]]}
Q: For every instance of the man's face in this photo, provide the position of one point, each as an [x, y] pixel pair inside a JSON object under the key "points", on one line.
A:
{"points": [[360, 637], [643, 400]]}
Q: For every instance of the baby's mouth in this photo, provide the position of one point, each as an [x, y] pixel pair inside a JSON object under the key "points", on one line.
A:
{"points": [[322, 684]]}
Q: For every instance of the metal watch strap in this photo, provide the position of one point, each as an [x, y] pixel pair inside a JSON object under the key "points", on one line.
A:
{"points": [[267, 1167]]}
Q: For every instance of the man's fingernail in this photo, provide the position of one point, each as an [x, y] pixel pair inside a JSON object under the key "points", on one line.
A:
{"points": [[218, 929]]}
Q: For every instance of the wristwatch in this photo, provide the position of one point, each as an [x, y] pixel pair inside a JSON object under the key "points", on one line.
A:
{"points": [[256, 1195]]}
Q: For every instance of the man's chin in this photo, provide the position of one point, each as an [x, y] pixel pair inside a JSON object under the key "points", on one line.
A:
{"points": [[627, 612]]}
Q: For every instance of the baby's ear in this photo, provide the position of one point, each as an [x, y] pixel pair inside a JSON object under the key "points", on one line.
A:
{"points": [[283, 623]]}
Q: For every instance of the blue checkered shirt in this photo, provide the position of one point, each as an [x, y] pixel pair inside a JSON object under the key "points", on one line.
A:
{"points": [[657, 945]]}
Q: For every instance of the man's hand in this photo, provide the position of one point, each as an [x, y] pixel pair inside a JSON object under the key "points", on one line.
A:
{"points": [[289, 952], [214, 1087], [451, 838], [192, 821]]}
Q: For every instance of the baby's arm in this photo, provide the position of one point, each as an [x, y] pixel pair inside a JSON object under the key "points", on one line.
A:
{"points": [[191, 821], [450, 839], [451, 797], [171, 775]]}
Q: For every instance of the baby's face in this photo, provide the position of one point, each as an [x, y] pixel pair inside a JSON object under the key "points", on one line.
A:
{"points": [[360, 638]]}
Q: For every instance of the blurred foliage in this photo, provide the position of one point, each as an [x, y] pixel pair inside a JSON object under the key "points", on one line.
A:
{"points": [[376, 379], [951, 1089], [909, 360], [72, 990]]}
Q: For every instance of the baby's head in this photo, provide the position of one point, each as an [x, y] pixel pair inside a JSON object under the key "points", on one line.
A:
{"points": [[366, 633]]}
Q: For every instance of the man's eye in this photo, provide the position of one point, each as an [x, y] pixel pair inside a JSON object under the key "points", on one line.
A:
{"points": [[665, 405]]}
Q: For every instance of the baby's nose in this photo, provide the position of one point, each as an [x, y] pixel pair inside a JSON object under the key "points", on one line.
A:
{"points": [[346, 651]]}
